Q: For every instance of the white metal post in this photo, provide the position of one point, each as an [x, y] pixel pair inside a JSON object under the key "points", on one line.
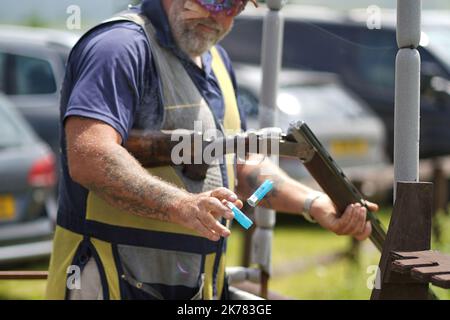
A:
{"points": [[271, 63], [407, 92]]}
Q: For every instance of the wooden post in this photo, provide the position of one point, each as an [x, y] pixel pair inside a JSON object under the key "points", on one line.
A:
{"points": [[409, 230], [440, 196], [440, 186]]}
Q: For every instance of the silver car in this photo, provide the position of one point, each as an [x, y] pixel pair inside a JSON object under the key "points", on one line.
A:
{"points": [[32, 67], [27, 178], [347, 128]]}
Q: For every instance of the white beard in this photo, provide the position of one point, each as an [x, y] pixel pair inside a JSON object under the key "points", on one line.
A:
{"points": [[188, 37]]}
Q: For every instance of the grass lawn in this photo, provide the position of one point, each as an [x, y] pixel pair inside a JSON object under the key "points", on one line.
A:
{"points": [[294, 242]]}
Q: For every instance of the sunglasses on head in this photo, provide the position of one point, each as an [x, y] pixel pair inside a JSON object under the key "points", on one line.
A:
{"points": [[230, 7]]}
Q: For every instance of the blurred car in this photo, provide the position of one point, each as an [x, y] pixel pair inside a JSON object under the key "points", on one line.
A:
{"points": [[32, 67], [27, 178], [321, 39], [344, 124]]}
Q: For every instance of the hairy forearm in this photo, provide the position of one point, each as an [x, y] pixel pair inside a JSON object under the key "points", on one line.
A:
{"points": [[287, 195], [119, 179]]}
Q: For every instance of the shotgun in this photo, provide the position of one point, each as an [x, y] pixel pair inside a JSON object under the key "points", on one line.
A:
{"points": [[154, 149]]}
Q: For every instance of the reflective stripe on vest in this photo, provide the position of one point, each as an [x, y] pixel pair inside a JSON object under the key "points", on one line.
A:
{"points": [[232, 121]]}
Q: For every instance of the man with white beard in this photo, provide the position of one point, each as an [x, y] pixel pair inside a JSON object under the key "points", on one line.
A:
{"points": [[128, 232]]}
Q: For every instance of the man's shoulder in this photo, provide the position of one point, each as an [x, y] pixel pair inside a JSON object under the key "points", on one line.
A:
{"points": [[114, 39]]}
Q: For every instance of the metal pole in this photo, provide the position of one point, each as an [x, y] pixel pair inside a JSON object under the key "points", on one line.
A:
{"points": [[407, 93], [271, 62]]}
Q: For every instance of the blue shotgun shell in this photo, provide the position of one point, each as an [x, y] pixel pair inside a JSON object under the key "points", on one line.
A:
{"points": [[240, 217], [260, 193]]}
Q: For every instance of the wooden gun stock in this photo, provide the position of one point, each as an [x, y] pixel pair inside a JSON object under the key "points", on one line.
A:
{"points": [[154, 149], [150, 148]]}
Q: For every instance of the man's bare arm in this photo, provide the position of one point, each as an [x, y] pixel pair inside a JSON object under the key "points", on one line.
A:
{"points": [[289, 196], [97, 161]]}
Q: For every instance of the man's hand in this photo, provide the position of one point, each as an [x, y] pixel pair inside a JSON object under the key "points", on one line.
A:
{"points": [[352, 222], [200, 212]]}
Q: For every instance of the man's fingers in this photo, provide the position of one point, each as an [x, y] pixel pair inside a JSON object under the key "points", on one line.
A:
{"points": [[212, 224], [204, 231], [354, 226], [237, 203], [217, 208], [224, 194], [366, 232], [204, 221], [344, 221], [204, 210], [360, 220], [357, 221], [353, 220], [373, 207]]}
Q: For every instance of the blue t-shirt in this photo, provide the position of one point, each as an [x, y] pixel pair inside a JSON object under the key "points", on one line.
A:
{"points": [[109, 75]]}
